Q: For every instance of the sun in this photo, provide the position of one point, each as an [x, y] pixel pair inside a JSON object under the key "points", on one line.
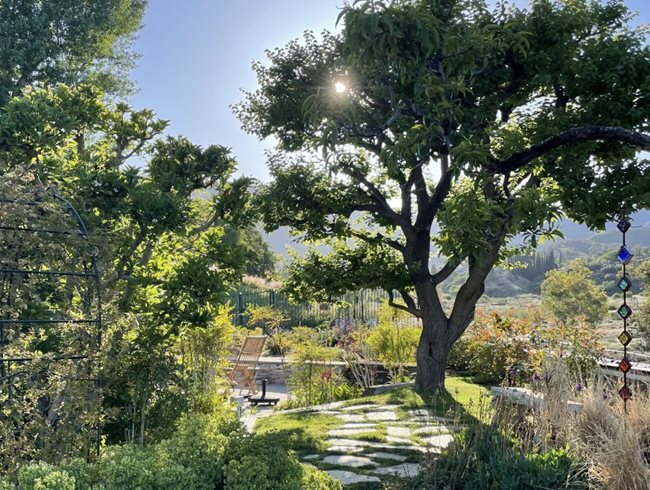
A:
{"points": [[340, 87]]}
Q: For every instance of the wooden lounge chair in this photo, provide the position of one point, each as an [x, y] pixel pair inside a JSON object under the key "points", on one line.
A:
{"points": [[243, 372]]}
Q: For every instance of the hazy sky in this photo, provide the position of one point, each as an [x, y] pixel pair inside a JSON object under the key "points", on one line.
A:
{"points": [[196, 56]]}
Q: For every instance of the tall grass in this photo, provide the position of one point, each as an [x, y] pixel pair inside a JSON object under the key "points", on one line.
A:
{"points": [[574, 434]]}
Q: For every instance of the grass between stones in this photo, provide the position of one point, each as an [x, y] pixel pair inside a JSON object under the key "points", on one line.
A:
{"points": [[462, 397], [306, 432]]}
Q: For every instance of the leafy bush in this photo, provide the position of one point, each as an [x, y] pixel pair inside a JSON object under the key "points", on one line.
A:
{"points": [[206, 452], [261, 462], [571, 294], [43, 476], [85, 475], [313, 479], [642, 321], [313, 381], [494, 348], [147, 468], [482, 458], [394, 341], [395, 346], [6, 484], [200, 443]]}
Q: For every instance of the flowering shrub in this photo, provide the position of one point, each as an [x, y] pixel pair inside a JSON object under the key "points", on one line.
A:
{"points": [[496, 349]]}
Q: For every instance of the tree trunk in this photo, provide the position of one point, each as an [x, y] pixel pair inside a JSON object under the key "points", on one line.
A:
{"points": [[433, 348], [432, 354], [143, 412], [438, 336]]}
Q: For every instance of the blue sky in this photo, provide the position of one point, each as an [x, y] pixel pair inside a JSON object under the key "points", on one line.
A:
{"points": [[196, 56]]}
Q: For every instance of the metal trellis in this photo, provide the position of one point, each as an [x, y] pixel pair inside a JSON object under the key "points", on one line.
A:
{"points": [[14, 366]]}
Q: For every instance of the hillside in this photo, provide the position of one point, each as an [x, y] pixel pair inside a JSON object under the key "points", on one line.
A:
{"points": [[579, 241]]}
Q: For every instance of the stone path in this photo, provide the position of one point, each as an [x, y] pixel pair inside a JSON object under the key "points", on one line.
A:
{"points": [[378, 441]]}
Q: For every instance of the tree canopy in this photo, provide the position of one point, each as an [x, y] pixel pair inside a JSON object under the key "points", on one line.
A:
{"points": [[170, 222], [571, 294], [67, 41], [449, 127]]}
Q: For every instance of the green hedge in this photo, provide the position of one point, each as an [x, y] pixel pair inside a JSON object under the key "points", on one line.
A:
{"points": [[205, 453]]}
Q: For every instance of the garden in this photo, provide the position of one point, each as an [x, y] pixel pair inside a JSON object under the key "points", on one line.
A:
{"points": [[425, 153]]}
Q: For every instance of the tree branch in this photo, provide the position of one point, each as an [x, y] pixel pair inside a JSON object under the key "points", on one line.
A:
{"points": [[378, 237], [412, 309], [571, 137], [447, 270], [440, 193], [375, 194]]}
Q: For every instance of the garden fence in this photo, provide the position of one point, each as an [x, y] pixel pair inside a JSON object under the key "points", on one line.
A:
{"points": [[358, 306]]}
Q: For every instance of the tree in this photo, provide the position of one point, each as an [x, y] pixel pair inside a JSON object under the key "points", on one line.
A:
{"points": [[570, 294], [165, 260], [67, 41], [445, 126]]}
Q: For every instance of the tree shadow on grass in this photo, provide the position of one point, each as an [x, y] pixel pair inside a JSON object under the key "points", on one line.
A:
{"points": [[443, 404], [304, 432]]}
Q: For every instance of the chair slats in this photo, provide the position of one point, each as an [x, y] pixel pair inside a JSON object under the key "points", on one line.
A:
{"points": [[244, 369]]}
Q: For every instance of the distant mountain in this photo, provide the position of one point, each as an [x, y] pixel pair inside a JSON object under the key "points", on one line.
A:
{"points": [[579, 241], [639, 235]]}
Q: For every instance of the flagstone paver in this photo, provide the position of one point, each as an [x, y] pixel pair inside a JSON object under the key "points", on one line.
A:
{"points": [[440, 441], [347, 432], [402, 470], [349, 417], [421, 413], [383, 455], [398, 431], [349, 477], [383, 415], [351, 461], [433, 429], [373, 445], [399, 440], [360, 407], [345, 449]]}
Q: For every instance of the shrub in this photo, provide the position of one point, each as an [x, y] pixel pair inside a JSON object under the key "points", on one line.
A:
{"points": [[494, 348], [206, 452], [200, 443], [312, 380], [85, 474], [261, 462], [314, 479], [570, 294], [6, 484], [130, 467], [642, 320], [482, 458], [43, 476], [395, 346]]}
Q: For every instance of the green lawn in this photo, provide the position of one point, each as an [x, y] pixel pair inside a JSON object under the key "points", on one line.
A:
{"points": [[462, 399]]}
